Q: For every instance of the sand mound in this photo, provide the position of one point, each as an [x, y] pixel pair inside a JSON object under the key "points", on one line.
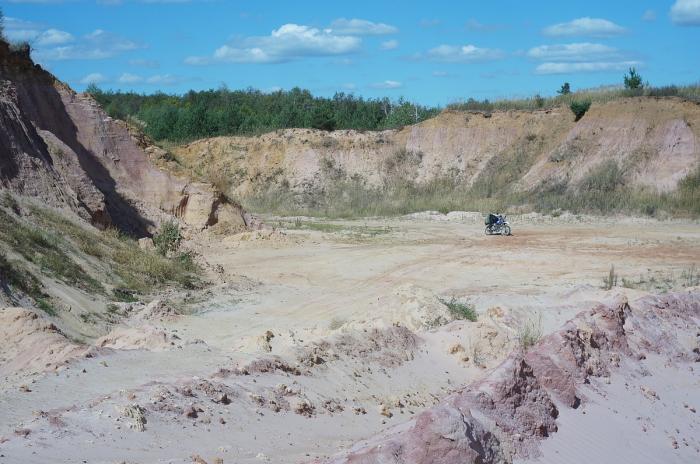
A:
{"points": [[145, 337], [32, 344], [413, 307]]}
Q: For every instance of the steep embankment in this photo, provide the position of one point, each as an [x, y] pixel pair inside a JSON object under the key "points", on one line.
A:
{"points": [[62, 159], [61, 147], [652, 141]]}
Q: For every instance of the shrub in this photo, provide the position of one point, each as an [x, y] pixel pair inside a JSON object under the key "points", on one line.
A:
{"points": [[565, 89], [168, 238], [579, 108], [461, 310]]}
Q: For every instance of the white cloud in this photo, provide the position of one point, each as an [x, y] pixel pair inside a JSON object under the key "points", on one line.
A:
{"points": [[289, 42], [580, 57], [591, 27], [128, 78], [164, 79], [574, 52], [390, 45], [18, 30], [686, 12], [649, 15], [361, 27], [460, 54], [569, 68], [97, 45], [386, 85], [93, 78], [54, 37]]}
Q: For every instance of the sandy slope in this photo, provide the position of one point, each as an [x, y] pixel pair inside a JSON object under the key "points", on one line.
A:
{"points": [[312, 341]]}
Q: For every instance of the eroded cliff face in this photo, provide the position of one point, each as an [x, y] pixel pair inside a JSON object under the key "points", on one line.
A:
{"points": [[654, 140], [61, 147]]}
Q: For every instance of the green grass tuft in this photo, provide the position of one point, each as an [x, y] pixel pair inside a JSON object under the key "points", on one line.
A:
{"points": [[461, 310]]}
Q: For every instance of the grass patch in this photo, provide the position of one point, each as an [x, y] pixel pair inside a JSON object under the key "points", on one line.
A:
{"points": [[461, 310], [603, 191], [665, 281], [52, 248], [530, 332], [45, 250]]}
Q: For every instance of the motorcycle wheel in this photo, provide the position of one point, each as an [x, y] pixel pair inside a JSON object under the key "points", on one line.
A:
{"points": [[506, 230], [488, 231]]}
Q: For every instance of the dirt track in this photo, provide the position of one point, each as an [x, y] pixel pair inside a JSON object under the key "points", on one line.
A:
{"points": [[332, 283]]}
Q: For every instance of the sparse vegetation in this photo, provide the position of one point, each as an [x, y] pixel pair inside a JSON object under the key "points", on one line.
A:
{"points": [[167, 239], [610, 280], [530, 332], [461, 310], [565, 89], [54, 245], [665, 281], [44, 249], [579, 108], [603, 191]]}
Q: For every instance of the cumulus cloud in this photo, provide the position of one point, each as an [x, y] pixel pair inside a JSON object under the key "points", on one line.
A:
{"points": [[580, 57], [686, 12], [568, 68], [361, 27], [18, 30], [54, 37], [289, 42], [93, 78], [573, 52], [589, 27], [460, 54], [390, 45], [130, 79], [387, 85], [97, 45]]}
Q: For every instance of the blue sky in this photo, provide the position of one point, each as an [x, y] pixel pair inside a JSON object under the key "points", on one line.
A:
{"points": [[433, 52]]}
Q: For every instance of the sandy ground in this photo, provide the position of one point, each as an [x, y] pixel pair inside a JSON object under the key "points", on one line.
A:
{"points": [[317, 336]]}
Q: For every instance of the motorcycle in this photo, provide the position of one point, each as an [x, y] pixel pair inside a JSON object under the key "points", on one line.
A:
{"points": [[500, 227]]}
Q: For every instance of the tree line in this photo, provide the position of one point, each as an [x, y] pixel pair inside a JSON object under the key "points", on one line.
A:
{"points": [[209, 113]]}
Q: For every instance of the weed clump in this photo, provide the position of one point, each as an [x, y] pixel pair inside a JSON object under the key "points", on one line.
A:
{"points": [[168, 238], [530, 333], [461, 310]]}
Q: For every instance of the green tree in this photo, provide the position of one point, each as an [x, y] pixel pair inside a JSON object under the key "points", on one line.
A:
{"points": [[633, 80], [2, 25], [565, 89]]}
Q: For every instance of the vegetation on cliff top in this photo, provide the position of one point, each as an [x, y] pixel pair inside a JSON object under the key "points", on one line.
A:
{"points": [[210, 113]]}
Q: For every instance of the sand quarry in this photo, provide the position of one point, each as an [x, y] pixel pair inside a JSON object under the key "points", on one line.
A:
{"points": [[321, 339]]}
